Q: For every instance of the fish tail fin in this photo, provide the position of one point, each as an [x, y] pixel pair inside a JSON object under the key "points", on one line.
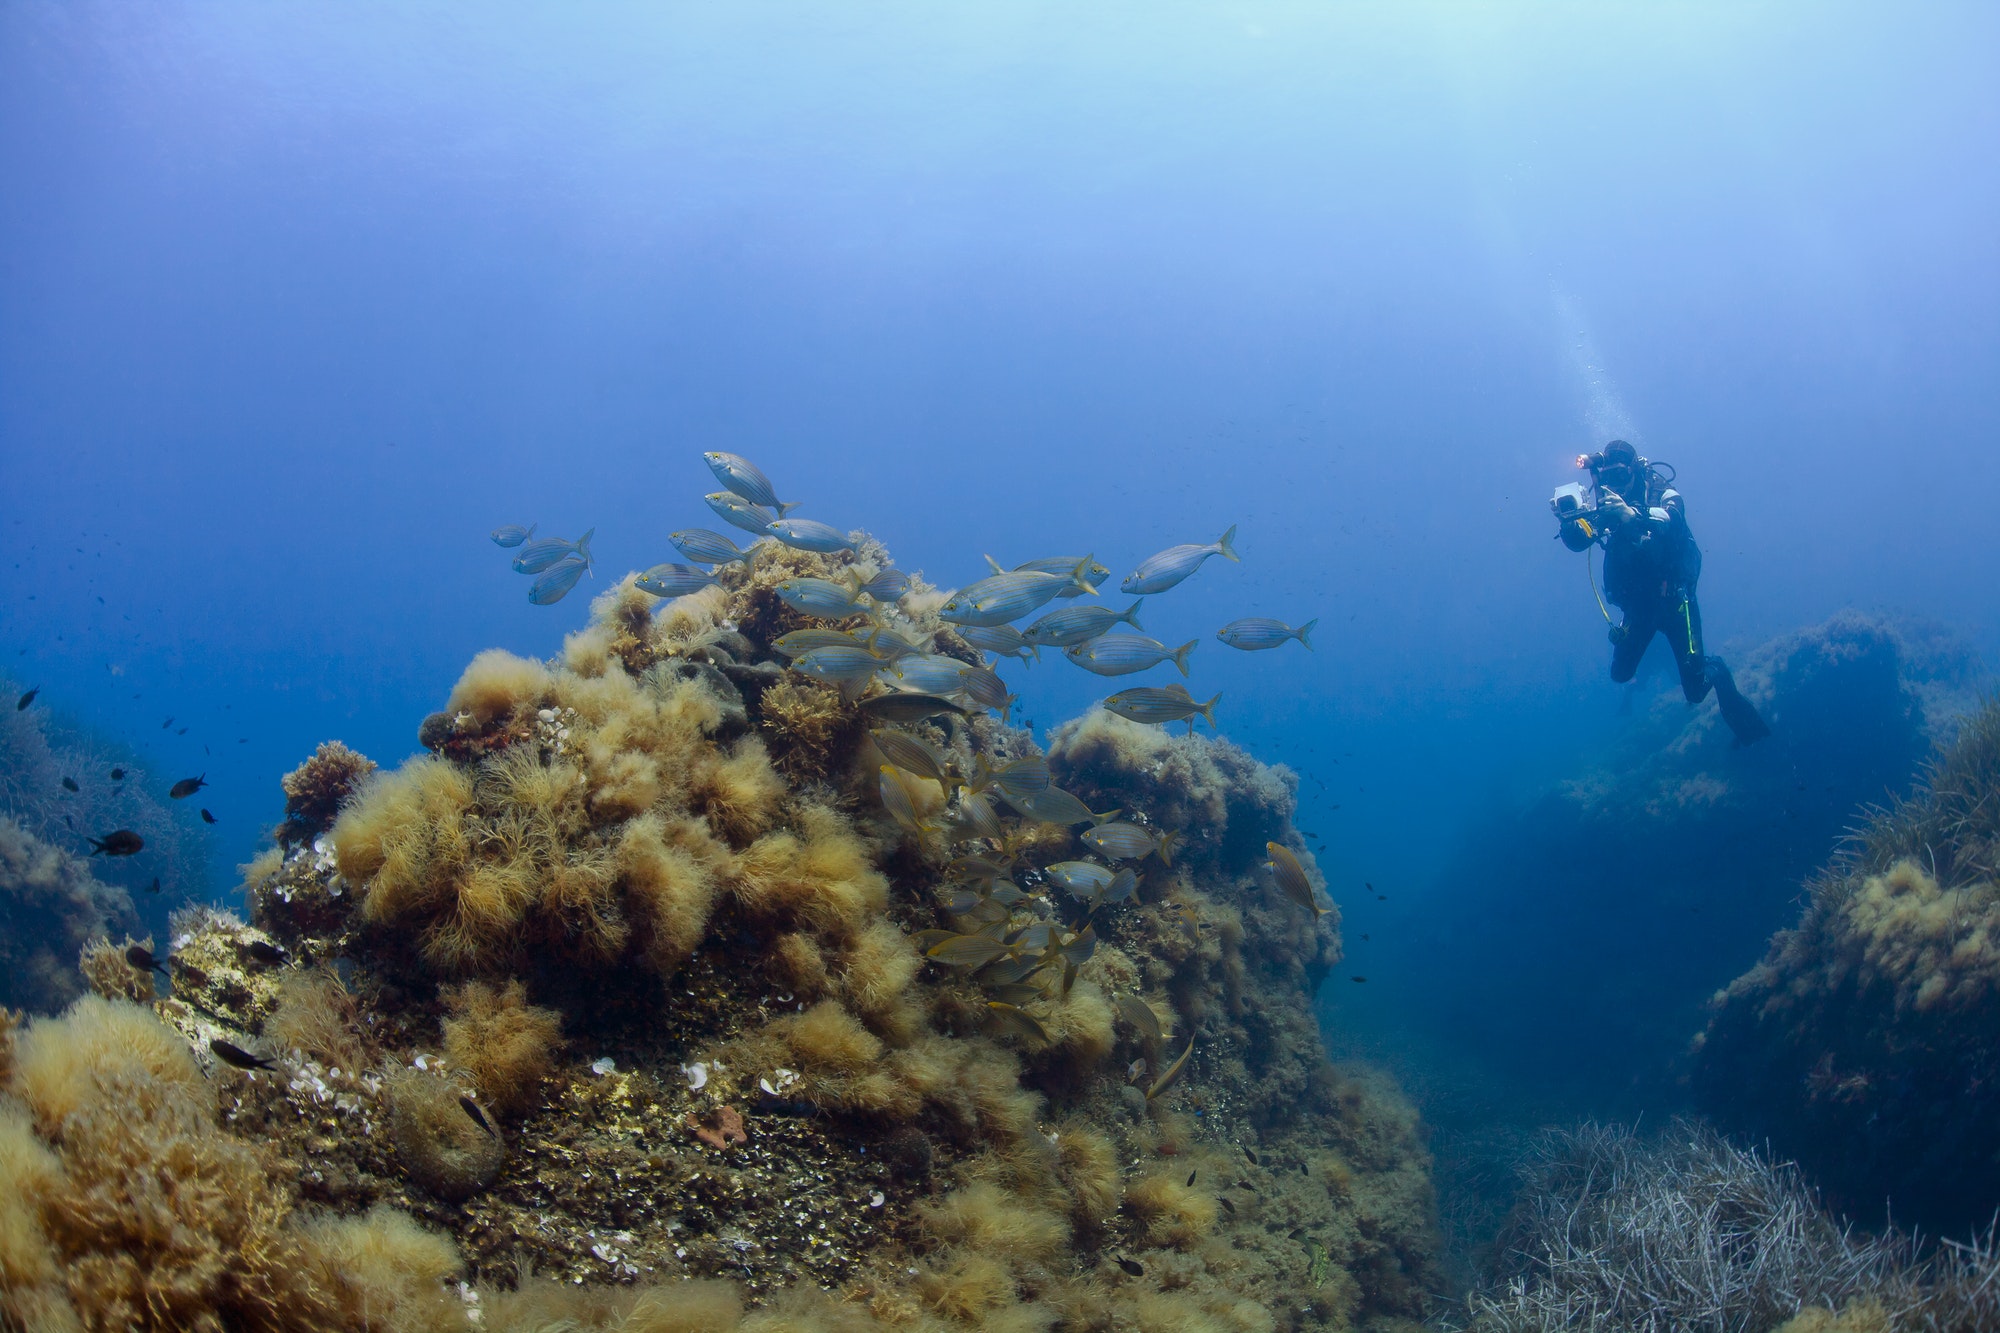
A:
{"points": [[530, 532], [1302, 631], [1131, 616], [95, 845], [1207, 710], [583, 546], [1080, 576], [1106, 817], [1224, 549], [982, 775], [1181, 654], [1167, 841], [994, 565], [784, 509], [1007, 705]]}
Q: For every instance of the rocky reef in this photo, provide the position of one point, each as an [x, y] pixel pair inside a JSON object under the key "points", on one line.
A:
{"points": [[1867, 1041], [675, 989], [1621, 897], [50, 908]]}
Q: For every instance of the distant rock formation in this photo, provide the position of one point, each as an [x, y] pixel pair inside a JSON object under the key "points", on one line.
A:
{"points": [[50, 907], [1589, 928], [1867, 1042]]}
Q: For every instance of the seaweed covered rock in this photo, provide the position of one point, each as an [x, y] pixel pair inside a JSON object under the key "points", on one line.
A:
{"points": [[1867, 1041], [50, 908], [1619, 899], [669, 963]]}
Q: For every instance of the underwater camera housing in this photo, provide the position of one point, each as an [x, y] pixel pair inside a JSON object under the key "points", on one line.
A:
{"points": [[1575, 509]]}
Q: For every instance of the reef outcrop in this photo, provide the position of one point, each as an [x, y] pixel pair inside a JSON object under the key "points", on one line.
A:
{"points": [[1620, 898], [50, 908], [656, 995], [1867, 1041]]}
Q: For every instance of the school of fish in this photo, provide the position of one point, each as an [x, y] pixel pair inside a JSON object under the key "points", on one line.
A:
{"points": [[880, 660]]}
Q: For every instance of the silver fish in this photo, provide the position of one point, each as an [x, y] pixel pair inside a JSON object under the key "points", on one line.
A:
{"points": [[1122, 840], [555, 583], [1058, 564], [1000, 640], [980, 816], [1022, 780], [1053, 805], [929, 673], [901, 707], [513, 534], [1084, 879], [817, 597], [802, 641], [707, 548], [743, 477], [738, 512], [1161, 572], [538, 556], [1290, 877], [1080, 624], [1255, 633], [808, 534], [987, 690], [912, 754], [887, 586], [1123, 654], [838, 663], [1165, 703], [673, 580], [891, 645], [1005, 597]]}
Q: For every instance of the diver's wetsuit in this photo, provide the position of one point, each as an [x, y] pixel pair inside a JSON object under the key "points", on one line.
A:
{"points": [[1651, 566]]}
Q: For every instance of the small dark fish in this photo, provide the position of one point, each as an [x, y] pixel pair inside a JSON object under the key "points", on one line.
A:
{"points": [[1357, 978], [231, 1054], [1366, 885], [187, 787], [142, 960], [1132, 1267], [1304, 1170], [122, 842], [1191, 1176], [154, 887], [1227, 1206], [1251, 1155], [168, 723], [1364, 937], [182, 732], [117, 775], [265, 952], [69, 784], [206, 817], [21, 704], [478, 1116], [1310, 834]]}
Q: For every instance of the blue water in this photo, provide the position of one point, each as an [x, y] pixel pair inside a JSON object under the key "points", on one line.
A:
{"points": [[298, 302]]}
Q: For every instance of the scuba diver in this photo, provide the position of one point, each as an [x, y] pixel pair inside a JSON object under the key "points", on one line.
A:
{"points": [[1651, 565]]}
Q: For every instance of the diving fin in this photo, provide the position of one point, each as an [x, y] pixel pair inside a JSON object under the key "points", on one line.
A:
{"points": [[1737, 711]]}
